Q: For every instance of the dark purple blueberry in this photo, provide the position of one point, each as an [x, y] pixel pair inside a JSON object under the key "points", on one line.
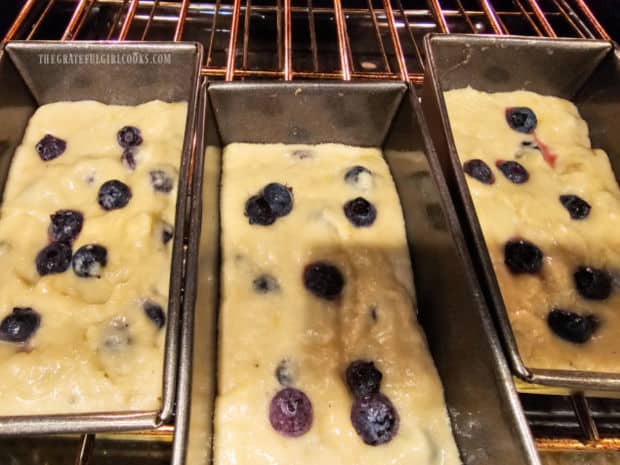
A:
{"points": [[129, 136], [479, 170], [50, 147], [65, 225], [375, 419], [265, 284], [360, 212], [258, 211], [514, 171], [89, 260], [167, 233], [323, 280], [352, 176], [20, 325], [279, 197], [114, 194], [577, 208], [521, 119], [593, 283], [128, 159], [521, 256], [54, 258], [363, 378], [571, 326], [290, 412], [161, 181], [155, 313], [284, 373]]}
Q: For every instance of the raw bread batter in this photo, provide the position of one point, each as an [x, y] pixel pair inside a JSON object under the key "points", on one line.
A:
{"points": [[99, 344], [560, 162], [281, 335]]}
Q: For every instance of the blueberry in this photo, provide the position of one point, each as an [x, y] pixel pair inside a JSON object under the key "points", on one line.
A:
{"points": [[50, 147], [521, 119], [285, 373], [479, 170], [54, 258], [65, 225], [363, 378], [521, 256], [114, 194], [360, 212], [592, 283], [571, 326], [167, 233], [514, 171], [128, 159], [577, 208], [89, 260], [155, 313], [375, 419], [129, 136], [290, 412], [323, 280], [354, 175], [265, 283], [279, 198], [161, 181], [20, 325], [258, 211]]}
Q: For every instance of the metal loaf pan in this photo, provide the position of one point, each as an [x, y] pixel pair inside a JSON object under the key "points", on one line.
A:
{"points": [[587, 72], [486, 416], [27, 81]]}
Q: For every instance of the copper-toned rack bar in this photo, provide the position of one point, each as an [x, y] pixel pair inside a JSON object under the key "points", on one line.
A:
{"points": [[492, 17], [540, 15], [115, 20], [528, 18], [23, 14], [288, 42], [149, 21], [232, 42], [440, 16], [344, 48], [375, 25], [133, 7], [246, 33], [178, 33], [600, 31], [398, 49], [576, 445], [70, 31]]}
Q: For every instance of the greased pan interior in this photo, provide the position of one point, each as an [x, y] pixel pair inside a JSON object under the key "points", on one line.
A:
{"points": [[28, 80], [486, 416], [586, 72]]}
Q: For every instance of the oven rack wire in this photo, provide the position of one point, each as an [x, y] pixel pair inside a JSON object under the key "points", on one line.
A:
{"points": [[322, 39]]}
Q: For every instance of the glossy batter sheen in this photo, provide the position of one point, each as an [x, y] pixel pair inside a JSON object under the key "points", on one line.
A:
{"points": [[373, 320], [95, 349], [532, 210]]}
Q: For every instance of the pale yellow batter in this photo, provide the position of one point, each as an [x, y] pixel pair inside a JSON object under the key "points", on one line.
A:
{"points": [[96, 349], [532, 210], [373, 319]]}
